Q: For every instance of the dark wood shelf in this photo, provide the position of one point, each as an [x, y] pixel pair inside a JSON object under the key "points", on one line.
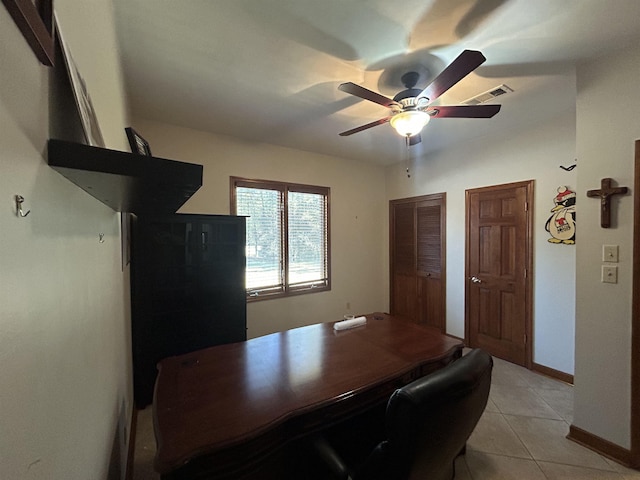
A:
{"points": [[124, 181]]}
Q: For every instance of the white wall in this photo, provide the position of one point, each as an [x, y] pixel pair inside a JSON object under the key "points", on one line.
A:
{"points": [[358, 216], [64, 319], [607, 127], [64, 332], [535, 153]]}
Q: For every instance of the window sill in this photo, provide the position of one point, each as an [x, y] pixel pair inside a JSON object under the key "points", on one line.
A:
{"points": [[290, 293]]}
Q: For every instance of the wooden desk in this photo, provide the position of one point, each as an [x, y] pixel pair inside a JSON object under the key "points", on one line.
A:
{"points": [[226, 409]]}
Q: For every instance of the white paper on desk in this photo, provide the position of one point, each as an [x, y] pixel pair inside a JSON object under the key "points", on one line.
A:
{"points": [[354, 322]]}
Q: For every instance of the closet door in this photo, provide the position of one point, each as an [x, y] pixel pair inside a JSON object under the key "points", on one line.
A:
{"points": [[417, 259], [403, 261], [429, 256]]}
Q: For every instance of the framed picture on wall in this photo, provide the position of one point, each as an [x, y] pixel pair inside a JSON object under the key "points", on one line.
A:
{"points": [[88, 116], [138, 144], [35, 21]]}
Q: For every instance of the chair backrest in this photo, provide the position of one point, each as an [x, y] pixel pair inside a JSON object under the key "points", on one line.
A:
{"points": [[429, 421]]}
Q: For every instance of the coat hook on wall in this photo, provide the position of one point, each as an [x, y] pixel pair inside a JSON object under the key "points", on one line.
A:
{"points": [[19, 211], [570, 167], [101, 237]]}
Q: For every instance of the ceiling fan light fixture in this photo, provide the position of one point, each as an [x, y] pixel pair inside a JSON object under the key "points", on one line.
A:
{"points": [[409, 122]]}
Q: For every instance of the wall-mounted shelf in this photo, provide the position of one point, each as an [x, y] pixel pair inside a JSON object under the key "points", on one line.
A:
{"points": [[126, 182]]}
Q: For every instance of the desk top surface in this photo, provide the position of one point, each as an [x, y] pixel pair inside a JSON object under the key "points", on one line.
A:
{"points": [[219, 397]]}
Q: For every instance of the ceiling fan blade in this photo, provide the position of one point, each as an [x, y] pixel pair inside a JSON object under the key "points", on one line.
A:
{"points": [[462, 66], [366, 94], [464, 111], [364, 127], [415, 139]]}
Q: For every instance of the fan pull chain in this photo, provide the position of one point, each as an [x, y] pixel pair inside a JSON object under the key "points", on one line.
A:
{"points": [[408, 155]]}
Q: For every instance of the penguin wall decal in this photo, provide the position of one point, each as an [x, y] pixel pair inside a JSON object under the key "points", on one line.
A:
{"points": [[562, 222]]}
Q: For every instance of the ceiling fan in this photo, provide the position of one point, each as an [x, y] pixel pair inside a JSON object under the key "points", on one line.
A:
{"points": [[411, 108]]}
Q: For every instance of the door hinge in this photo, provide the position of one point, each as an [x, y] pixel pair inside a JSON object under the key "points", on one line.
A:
{"points": [[526, 206], [525, 339], [525, 273]]}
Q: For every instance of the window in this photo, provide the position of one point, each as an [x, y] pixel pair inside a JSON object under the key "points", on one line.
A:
{"points": [[287, 236]]}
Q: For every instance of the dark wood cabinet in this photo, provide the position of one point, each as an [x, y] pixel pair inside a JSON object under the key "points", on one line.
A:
{"points": [[417, 259], [187, 289]]}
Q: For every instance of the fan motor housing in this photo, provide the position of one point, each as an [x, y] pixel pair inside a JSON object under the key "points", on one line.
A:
{"points": [[408, 93], [410, 103]]}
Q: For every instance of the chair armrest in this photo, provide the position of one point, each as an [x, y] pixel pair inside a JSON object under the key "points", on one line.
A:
{"points": [[330, 457]]}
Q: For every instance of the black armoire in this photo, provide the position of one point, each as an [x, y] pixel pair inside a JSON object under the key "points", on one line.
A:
{"points": [[187, 289]]}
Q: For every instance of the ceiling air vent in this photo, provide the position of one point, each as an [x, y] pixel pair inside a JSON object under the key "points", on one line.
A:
{"points": [[488, 95]]}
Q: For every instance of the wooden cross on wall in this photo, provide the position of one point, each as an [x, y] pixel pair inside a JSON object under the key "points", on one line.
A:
{"points": [[605, 193]]}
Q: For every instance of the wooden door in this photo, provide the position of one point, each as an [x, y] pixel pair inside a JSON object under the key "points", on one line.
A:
{"points": [[417, 259], [429, 255], [403, 261], [498, 271], [635, 322]]}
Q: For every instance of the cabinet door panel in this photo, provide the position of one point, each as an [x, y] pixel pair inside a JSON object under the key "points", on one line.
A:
{"points": [[188, 289]]}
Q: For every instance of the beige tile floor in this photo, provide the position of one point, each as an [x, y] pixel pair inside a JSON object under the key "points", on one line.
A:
{"points": [[521, 435]]}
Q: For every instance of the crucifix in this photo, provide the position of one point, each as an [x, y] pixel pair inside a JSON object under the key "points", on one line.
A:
{"points": [[605, 193]]}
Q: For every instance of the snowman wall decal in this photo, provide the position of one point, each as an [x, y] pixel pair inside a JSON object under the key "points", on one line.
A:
{"points": [[562, 222]]}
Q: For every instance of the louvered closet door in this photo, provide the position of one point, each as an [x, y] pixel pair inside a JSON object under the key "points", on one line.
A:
{"points": [[417, 259], [430, 252], [403, 275]]}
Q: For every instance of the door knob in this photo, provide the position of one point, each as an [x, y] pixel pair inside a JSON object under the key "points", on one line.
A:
{"points": [[475, 279]]}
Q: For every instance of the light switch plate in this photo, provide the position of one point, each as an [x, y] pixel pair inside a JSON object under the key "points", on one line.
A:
{"points": [[609, 274], [610, 253]]}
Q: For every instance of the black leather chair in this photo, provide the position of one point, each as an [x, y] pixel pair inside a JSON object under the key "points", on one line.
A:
{"points": [[426, 426]]}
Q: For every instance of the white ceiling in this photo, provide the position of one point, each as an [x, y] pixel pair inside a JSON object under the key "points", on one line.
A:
{"points": [[268, 70]]}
